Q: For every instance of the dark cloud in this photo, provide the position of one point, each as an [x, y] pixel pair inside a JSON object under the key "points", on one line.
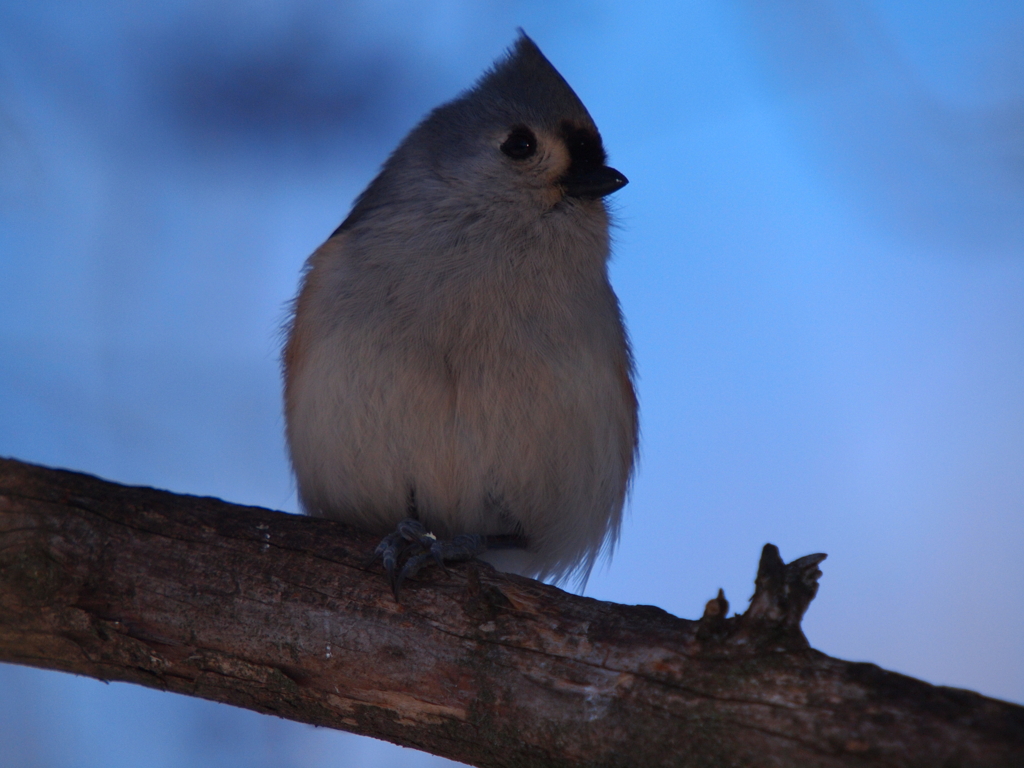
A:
{"points": [[297, 86]]}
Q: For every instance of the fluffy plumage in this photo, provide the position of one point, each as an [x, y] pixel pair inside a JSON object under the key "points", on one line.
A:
{"points": [[456, 350]]}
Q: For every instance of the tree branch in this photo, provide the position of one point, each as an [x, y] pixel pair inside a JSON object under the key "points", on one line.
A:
{"points": [[279, 614]]}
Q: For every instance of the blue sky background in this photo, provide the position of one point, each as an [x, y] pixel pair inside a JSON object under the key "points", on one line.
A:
{"points": [[820, 256]]}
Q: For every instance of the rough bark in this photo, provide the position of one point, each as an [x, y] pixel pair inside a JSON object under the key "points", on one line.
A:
{"points": [[279, 614]]}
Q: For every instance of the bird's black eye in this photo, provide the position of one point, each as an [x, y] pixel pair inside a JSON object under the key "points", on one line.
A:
{"points": [[520, 144]]}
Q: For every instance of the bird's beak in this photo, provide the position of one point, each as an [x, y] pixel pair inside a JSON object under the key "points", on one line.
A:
{"points": [[591, 185]]}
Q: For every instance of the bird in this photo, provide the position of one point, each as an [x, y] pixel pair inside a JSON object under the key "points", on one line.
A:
{"points": [[458, 377]]}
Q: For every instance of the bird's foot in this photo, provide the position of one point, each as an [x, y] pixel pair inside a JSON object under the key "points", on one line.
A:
{"points": [[412, 546]]}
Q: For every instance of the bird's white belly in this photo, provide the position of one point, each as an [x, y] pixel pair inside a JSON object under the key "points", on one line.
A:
{"points": [[511, 443]]}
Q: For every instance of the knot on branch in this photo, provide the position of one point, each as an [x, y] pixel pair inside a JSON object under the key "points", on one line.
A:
{"points": [[782, 593]]}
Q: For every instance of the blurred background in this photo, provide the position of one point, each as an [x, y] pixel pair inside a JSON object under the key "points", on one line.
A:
{"points": [[820, 257]]}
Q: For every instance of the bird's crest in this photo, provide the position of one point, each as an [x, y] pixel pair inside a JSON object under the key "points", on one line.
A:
{"points": [[526, 83]]}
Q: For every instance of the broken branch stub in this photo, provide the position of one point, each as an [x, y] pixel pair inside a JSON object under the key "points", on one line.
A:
{"points": [[782, 593]]}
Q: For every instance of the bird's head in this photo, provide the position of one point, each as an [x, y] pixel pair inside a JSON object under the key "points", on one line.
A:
{"points": [[519, 143], [521, 135]]}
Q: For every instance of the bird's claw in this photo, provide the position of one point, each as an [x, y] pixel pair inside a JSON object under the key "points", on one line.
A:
{"points": [[417, 545]]}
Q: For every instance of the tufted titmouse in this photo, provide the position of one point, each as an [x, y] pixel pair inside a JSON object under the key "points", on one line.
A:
{"points": [[456, 364]]}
